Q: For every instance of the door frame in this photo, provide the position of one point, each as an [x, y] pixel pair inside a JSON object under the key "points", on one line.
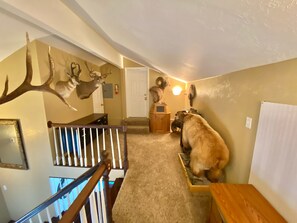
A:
{"points": [[98, 101], [147, 88]]}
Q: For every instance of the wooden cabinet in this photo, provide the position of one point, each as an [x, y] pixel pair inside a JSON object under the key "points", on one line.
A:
{"points": [[215, 216], [160, 123], [240, 203], [96, 118]]}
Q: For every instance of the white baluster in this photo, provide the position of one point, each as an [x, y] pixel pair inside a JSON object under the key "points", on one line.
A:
{"points": [[67, 147], [98, 145], [74, 147], [112, 149], [62, 147], [85, 147], [48, 215], [68, 201], [92, 148], [30, 220], [103, 139], [103, 201], [81, 160], [58, 209], [82, 212], [94, 215], [99, 204], [82, 215], [39, 218], [119, 148], [56, 147]]}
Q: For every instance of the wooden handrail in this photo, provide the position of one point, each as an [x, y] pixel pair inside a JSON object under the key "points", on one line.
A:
{"points": [[81, 199], [60, 193], [92, 126]]}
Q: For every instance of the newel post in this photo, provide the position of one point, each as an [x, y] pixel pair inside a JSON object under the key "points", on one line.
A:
{"points": [[126, 162], [107, 192]]}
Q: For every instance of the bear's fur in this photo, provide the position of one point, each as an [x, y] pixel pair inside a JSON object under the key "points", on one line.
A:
{"points": [[209, 153]]}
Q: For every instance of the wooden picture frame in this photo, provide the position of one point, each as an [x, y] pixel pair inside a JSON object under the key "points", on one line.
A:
{"points": [[12, 151]]}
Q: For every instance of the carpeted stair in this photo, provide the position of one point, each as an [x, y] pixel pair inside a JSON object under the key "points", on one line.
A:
{"points": [[137, 125]]}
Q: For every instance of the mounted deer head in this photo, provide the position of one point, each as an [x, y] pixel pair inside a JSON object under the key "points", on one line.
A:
{"points": [[27, 86], [65, 88], [85, 89]]}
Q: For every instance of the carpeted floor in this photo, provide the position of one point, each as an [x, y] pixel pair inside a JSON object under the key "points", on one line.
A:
{"points": [[154, 189]]}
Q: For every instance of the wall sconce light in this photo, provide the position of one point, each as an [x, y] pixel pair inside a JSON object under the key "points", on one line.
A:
{"points": [[176, 90]]}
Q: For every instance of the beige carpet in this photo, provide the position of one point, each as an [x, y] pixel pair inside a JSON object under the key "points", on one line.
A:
{"points": [[154, 189]]}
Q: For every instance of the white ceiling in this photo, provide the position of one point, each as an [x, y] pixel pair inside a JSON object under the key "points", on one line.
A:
{"points": [[13, 37], [13, 33], [191, 39]]}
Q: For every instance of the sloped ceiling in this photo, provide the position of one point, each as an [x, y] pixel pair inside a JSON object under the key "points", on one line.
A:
{"points": [[13, 33], [195, 39]]}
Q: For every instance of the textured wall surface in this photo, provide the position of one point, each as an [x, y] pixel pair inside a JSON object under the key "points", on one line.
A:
{"points": [[226, 101], [4, 215]]}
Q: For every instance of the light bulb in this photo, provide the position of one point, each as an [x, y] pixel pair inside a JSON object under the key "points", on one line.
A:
{"points": [[176, 90]]}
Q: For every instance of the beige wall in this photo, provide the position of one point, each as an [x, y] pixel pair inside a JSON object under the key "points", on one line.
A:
{"points": [[113, 106], [28, 188], [4, 215], [130, 63], [226, 101]]}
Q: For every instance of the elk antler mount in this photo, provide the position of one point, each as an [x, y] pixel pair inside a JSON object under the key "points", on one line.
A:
{"points": [[27, 86]]}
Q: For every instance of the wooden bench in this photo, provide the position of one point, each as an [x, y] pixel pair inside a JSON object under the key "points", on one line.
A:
{"points": [[241, 203]]}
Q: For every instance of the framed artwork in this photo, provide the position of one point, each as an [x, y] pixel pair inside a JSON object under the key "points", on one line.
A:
{"points": [[12, 151]]}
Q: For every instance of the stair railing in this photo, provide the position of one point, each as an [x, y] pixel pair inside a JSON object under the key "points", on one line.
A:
{"points": [[92, 202], [71, 214], [81, 145]]}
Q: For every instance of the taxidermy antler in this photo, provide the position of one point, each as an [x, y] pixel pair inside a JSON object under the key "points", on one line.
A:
{"points": [[27, 86], [85, 89]]}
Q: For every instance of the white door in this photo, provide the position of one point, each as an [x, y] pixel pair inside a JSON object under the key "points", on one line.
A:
{"points": [[137, 91], [98, 105]]}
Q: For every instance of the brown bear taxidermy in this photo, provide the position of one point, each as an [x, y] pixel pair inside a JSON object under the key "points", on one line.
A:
{"points": [[209, 153]]}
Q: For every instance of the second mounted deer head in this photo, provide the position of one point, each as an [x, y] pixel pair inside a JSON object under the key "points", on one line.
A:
{"points": [[85, 89], [65, 88]]}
